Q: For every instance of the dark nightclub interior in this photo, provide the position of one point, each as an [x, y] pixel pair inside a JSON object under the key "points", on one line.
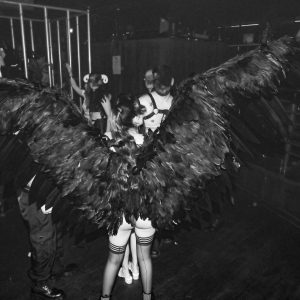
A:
{"points": [[150, 150]]}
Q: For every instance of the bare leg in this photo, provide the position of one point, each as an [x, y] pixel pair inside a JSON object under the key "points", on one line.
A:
{"points": [[117, 246], [145, 262], [110, 272]]}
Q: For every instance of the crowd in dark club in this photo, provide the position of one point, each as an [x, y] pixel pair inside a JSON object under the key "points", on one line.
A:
{"points": [[137, 241]]}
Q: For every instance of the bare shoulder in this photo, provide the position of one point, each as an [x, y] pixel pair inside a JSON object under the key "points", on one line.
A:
{"points": [[144, 99]]}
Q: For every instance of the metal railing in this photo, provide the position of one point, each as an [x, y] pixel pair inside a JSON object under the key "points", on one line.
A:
{"points": [[69, 13]]}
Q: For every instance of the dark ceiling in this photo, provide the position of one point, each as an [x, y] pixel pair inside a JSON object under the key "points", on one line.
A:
{"points": [[143, 16], [193, 12], [196, 15]]}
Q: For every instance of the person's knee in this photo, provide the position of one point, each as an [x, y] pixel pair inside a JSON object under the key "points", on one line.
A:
{"points": [[115, 258], [116, 253]]}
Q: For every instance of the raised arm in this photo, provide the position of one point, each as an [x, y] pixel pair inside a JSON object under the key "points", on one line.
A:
{"points": [[107, 108], [74, 85]]}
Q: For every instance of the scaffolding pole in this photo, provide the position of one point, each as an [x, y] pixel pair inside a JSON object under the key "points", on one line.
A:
{"points": [[23, 40], [31, 36], [59, 53], [12, 31], [47, 45], [69, 45], [51, 53], [89, 39]]}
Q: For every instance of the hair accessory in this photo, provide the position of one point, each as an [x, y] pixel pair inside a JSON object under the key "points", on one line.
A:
{"points": [[86, 78], [104, 78]]}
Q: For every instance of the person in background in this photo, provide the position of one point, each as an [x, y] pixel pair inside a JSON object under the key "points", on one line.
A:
{"points": [[159, 101], [43, 241], [157, 104], [2, 62], [127, 265], [9, 62], [96, 105], [38, 69], [5, 69], [18, 166], [149, 80]]}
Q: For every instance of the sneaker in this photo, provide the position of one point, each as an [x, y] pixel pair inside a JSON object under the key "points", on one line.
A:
{"points": [[134, 271], [124, 273]]}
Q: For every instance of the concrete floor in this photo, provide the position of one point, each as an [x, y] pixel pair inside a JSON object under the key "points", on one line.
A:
{"points": [[254, 255]]}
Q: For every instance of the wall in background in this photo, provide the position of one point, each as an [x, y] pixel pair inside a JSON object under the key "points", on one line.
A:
{"points": [[184, 56]]}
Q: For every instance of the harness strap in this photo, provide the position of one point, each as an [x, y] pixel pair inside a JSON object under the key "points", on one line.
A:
{"points": [[155, 109]]}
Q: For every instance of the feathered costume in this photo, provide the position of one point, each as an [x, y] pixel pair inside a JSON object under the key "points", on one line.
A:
{"points": [[158, 179]]}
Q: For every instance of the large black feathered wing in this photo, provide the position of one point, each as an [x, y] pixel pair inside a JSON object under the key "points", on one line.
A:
{"points": [[58, 141], [208, 119], [161, 180]]}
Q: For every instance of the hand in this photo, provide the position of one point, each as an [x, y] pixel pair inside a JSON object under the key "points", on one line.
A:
{"points": [[106, 98]]}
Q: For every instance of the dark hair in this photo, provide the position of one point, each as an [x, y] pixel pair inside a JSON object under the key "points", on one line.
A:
{"points": [[102, 89], [94, 78], [127, 107], [163, 75], [37, 54]]}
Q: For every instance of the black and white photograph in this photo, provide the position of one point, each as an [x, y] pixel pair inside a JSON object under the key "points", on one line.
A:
{"points": [[150, 150]]}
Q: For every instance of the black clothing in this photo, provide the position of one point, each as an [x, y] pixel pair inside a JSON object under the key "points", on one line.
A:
{"points": [[101, 125], [46, 292], [94, 99], [16, 163], [42, 234]]}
